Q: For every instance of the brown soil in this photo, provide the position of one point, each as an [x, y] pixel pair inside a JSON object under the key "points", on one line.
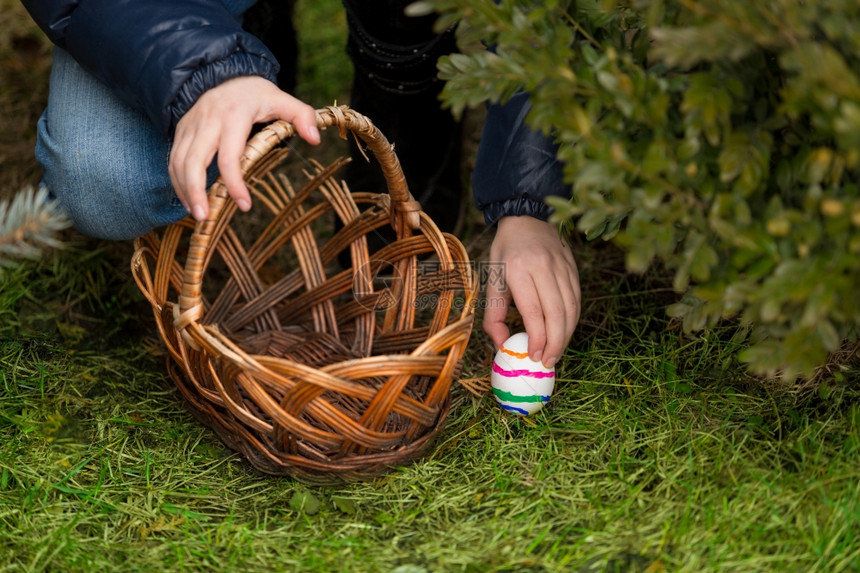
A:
{"points": [[25, 61]]}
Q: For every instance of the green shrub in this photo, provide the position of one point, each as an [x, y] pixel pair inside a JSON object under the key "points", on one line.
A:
{"points": [[720, 137]]}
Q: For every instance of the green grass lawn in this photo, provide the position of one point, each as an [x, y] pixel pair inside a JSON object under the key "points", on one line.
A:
{"points": [[656, 453]]}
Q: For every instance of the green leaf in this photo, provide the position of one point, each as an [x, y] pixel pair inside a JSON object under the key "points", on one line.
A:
{"points": [[784, 176], [592, 222], [344, 505], [770, 309], [607, 80], [656, 159], [383, 518], [563, 208], [830, 338], [680, 387], [304, 501], [734, 157], [704, 260], [639, 257]]}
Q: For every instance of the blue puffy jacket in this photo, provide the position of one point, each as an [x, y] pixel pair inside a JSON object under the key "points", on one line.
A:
{"points": [[157, 55], [161, 55], [516, 167]]}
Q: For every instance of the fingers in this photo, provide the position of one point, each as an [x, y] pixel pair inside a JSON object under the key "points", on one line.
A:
{"points": [[560, 301], [495, 313], [531, 307], [190, 155], [558, 327], [231, 146], [304, 118], [219, 124]]}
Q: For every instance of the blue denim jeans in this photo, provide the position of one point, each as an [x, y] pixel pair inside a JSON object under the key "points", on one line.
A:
{"points": [[103, 160]]}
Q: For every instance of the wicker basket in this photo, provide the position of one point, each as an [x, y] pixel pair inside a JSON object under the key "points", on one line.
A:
{"points": [[308, 368]]}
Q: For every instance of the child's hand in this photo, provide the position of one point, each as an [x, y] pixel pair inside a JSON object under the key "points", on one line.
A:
{"points": [[220, 122], [542, 279]]}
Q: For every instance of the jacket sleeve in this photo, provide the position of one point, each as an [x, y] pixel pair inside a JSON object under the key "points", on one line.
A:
{"points": [[516, 167], [157, 55]]}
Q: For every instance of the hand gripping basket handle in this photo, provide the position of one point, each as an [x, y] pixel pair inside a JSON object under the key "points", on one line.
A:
{"points": [[404, 209]]}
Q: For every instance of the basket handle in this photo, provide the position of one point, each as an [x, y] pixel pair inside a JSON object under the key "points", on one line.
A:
{"points": [[404, 209]]}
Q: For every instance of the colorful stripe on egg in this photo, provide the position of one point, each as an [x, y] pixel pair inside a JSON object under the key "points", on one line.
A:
{"points": [[503, 395], [524, 373], [504, 399], [510, 352]]}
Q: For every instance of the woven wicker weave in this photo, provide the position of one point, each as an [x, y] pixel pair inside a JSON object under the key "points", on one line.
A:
{"points": [[309, 369]]}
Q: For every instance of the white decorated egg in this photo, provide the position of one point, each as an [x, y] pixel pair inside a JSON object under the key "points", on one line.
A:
{"points": [[521, 385]]}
